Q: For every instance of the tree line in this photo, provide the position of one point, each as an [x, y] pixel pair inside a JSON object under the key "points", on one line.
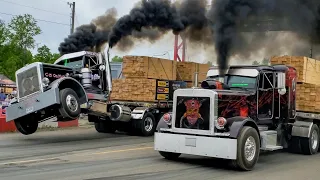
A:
{"points": [[17, 39]]}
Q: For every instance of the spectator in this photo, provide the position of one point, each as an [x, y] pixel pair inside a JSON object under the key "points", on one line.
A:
{"points": [[2, 95]]}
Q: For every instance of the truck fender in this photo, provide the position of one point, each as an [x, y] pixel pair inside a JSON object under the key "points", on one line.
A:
{"points": [[163, 124], [68, 82], [301, 129], [138, 112], [237, 123]]}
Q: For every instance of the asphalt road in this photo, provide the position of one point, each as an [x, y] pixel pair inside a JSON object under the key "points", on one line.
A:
{"points": [[83, 154]]}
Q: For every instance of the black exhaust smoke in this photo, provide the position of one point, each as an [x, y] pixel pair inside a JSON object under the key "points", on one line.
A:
{"points": [[162, 15], [236, 26], [301, 17]]}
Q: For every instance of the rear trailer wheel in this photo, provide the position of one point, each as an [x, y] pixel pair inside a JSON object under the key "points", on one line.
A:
{"points": [[310, 146], [147, 125], [170, 155], [27, 125], [105, 127], [70, 106], [248, 149]]}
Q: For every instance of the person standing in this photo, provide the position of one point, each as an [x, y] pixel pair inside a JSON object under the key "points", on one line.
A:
{"points": [[2, 95]]}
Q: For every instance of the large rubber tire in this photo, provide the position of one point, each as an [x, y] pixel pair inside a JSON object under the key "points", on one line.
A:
{"points": [[246, 136], [310, 146], [170, 155], [27, 125], [147, 125], [105, 127], [294, 145], [69, 104]]}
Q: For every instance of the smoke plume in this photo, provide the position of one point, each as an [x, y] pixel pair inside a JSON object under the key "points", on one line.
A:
{"points": [[300, 17], [235, 28], [162, 15], [90, 37]]}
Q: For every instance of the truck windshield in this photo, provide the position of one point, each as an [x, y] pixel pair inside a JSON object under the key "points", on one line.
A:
{"points": [[73, 63], [234, 81]]}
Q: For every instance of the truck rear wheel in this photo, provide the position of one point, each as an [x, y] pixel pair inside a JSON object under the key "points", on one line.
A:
{"points": [[70, 106], [104, 127], [310, 146], [248, 149], [147, 125], [169, 155], [27, 125]]}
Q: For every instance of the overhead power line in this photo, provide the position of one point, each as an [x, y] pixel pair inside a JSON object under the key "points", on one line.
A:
{"points": [[34, 8], [38, 19]]}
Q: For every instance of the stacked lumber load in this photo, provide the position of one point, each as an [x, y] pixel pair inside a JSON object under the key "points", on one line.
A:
{"points": [[140, 77], [307, 98], [308, 82], [308, 69], [134, 89], [141, 74], [149, 68], [186, 71]]}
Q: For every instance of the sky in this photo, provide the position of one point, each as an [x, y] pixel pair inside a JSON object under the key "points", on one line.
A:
{"points": [[53, 17]]}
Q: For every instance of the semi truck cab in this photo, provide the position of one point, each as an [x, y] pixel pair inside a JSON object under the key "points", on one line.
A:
{"points": [[59, 90], [235, 116]]}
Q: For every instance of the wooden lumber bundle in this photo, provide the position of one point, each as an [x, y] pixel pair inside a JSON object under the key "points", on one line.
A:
{"points": [[308, 69], [307, 97], [186, 71], [134, 89], [149, 68], [141, 74]]}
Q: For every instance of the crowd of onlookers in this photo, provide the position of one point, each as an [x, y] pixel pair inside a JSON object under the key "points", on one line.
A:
{"points": [[5, 99]]}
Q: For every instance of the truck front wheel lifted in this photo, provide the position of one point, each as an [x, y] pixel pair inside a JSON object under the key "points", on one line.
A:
{"points": [[170, 155], [26, 125], [310, 146], [70, 106], [248, 149]]}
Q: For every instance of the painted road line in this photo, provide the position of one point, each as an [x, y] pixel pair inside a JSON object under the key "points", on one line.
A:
{"points": [[123, 150], [57, 158], [29, 161]]}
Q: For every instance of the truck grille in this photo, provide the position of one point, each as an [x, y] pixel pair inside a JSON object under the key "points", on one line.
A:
{"points": [[193, 113], [28, 82]]}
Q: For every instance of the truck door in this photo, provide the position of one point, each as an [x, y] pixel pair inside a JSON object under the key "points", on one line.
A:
{"points": [[265, 96]]}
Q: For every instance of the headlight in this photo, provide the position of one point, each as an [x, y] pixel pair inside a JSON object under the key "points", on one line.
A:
{"points": [[167, 118], [45, 81], [220, 123]]}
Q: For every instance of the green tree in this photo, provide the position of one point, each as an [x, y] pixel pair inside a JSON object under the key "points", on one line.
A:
{"points": [[44, 55], [117, 59], [16, 40], [23, 29], [255, 63], [265, 61]]}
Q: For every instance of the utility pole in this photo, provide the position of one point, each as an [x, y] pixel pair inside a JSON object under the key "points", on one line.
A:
{"points": [[73, 8]]}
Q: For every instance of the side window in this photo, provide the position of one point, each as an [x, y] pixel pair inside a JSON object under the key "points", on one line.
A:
{"points": [[266, 80]]}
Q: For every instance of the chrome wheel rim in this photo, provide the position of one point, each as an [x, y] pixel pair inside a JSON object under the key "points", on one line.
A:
{"points": [[148, 124], [314, 139], [250, 149], [72, 103]]}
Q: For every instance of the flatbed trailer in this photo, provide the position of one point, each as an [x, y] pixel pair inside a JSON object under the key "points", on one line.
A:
{"points": [[128, 116]]}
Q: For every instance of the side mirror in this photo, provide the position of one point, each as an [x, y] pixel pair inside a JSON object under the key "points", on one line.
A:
{"points": [[281, 83]]}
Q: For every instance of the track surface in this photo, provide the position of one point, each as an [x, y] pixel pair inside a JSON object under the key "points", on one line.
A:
{"points": [[83, 154]]}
